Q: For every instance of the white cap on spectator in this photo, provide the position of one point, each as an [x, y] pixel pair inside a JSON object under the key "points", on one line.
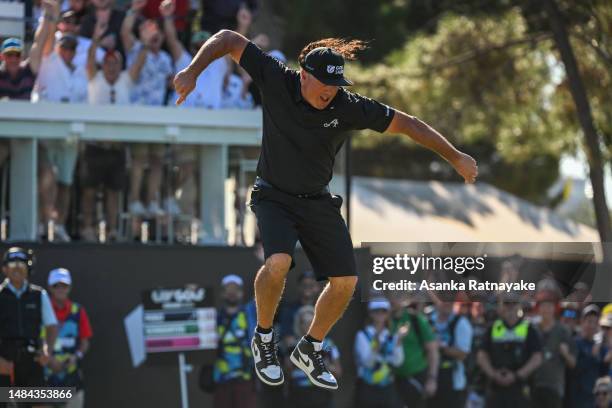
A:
{"points": [[379, 304], [232, 279], [60, 275]]}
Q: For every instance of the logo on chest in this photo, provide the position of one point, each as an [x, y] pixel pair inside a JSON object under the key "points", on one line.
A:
{"points": [[333, 123]]}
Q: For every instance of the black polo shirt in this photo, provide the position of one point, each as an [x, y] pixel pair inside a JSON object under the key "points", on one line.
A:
{"points": [[300, 142]]}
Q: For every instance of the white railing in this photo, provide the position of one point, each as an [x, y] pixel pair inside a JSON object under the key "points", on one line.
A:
{"points": [[212, 130]]}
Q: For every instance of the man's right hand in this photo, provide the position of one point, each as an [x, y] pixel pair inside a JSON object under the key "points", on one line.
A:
{"points": [[6, 367], [184, 83]]}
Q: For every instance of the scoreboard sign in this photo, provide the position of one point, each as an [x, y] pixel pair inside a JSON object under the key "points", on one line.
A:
{"points": [[179, 319]]}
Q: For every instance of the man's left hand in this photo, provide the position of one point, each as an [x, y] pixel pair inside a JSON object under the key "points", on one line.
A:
{"points": [[466, 166]]}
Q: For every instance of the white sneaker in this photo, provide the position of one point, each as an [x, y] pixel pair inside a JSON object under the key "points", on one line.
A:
{"points": [[61, 234], [171, 206], [136, 208], [154, 209]]}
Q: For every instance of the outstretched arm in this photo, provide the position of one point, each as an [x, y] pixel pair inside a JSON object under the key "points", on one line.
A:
{"points": [[166, 9], [222, 43], [127, 37], [92, 67], [427, 136], [44, 33], [136, 67]]}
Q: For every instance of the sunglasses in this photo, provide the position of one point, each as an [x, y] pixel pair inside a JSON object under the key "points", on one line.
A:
{"points": [[60, 286], [601, 393], [16, 264]]}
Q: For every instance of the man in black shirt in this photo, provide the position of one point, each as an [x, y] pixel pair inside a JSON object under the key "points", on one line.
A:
{"points": [[306, 118], [510, 352]]}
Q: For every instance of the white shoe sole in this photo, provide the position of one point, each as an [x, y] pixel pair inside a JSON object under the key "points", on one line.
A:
{"points": [[263, 379], [313, 380]]}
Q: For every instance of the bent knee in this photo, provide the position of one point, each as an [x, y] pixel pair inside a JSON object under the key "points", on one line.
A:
{"points": [[278, 264]]}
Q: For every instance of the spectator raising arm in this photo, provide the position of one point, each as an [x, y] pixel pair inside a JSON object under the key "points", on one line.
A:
{"points": [[43, 33], [127, 36], [92, 67], [50, 20], [136, 67], [166, 9]]}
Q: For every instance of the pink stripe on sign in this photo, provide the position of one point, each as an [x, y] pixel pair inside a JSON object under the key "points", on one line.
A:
{"points": [[174, 342]]}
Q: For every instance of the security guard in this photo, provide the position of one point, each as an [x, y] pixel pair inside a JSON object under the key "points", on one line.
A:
{"points": [[510, 353], [24, 310], [232, 372]]}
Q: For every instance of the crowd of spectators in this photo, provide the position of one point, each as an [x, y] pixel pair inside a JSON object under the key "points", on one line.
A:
{"points": [[99, 52], [416, 349]]}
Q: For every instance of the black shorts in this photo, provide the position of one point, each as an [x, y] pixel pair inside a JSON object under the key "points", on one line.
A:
{"points": [[284, 219], [104, 167]]}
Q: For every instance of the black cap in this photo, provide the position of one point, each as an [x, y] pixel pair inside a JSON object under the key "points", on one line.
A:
{"points": [[327, 66], [18, 254], [69, 41]]}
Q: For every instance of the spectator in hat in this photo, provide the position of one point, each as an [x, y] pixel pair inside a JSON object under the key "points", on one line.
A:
{"points": [[18, 74], [104, 165], [416, 379], [68, 24], [233, 368], [302, 392], [25, 310], [64, 369], [592, 361], [377, 352], [150, 90], [603, 393], [558, 349], [308, 290], [570, 316]]}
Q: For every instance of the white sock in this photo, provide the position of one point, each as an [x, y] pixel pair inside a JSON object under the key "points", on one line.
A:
{"points": [[265, 337]]}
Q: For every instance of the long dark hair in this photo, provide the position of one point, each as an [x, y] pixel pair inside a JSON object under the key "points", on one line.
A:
{"points": [[346, 48]]}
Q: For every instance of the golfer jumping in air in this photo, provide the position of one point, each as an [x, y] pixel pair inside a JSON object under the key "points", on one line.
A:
{"points": [[306, 117]]}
